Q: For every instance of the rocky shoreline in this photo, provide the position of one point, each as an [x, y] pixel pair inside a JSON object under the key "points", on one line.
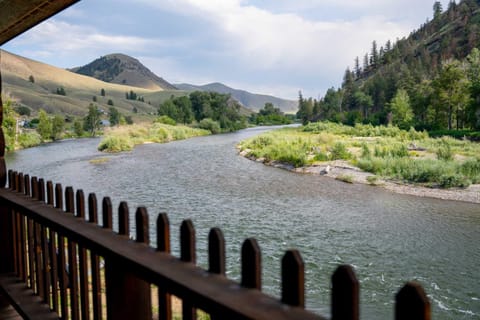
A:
{"points": [[344, 171]]}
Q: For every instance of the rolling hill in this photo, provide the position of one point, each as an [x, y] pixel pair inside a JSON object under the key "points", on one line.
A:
{"points": [[122, 69], [250, 100], [18, 73]]}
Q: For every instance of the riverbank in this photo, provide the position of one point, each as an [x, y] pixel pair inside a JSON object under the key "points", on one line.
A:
{"points": [[342, 170], [406, 162]]}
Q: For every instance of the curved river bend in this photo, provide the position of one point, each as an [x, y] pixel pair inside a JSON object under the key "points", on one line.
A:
{"points": [[388, 238]]}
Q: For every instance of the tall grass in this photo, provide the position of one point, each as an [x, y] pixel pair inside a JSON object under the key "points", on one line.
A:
{"points": [[126, 137]]}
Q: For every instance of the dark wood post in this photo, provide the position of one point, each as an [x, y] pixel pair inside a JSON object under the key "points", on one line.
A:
{"points": [[345, 294], [163, 245], [216, 252], [128, 297], [251, 265], [95, 261], [293, 279], [3, 166], [412, 303], [188, 254]]}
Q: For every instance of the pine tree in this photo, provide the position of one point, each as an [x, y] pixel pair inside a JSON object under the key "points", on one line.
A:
{"points": [[437, 9], [358, 70]]}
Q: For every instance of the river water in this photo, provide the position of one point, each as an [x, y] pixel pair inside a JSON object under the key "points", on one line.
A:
{"points": [[388, 238]]}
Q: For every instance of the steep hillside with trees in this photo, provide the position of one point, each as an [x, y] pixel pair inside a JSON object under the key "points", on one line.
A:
{"points": [[429, 80], [123, 69]]}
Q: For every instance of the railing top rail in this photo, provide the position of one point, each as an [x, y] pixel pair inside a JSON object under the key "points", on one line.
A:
{"points": [[211, 292]]}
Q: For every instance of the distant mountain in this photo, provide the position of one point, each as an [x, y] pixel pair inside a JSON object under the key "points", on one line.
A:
{"points": [[247, 99], [123, 69]]}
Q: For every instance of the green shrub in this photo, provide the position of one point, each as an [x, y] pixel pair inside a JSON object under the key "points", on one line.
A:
{"points": [[454, 180], [444, 152], [366, 151], [210, 125], [29, 139], [165, 120], [115, 144], [339, 151], [471, 169], [320, 156]]}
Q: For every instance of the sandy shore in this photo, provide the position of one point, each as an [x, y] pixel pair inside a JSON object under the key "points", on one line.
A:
{"points": [[340, 169]]}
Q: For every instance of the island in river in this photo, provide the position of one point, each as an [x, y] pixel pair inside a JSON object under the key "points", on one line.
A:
{"points": [[406, 162]]}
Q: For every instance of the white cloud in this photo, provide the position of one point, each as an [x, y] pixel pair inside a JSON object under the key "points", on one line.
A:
{"points": [[265, 44], [62, 38]]}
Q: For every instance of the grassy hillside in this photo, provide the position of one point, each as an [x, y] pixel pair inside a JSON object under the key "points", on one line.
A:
{"points": [[34, 84]]}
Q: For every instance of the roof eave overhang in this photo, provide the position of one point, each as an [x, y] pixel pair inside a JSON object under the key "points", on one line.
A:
{"points": [[17, 16]]}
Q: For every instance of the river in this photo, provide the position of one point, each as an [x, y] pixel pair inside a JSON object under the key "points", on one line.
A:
{"points": [[388, 238]]}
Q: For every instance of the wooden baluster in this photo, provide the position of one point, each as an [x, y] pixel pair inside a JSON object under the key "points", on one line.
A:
{"points": [[251, 265], [412, 303], [31, 253], [20, 246], [95, 261], [53, 250], [16, 232], [345, 294], [41, 252], [17, 182], [45, 265], [216, 256], [23, 247], [293, 279], [72, 259], [92, 208], [58, 196], [80, 211], [50, 194], [123, 220], [21, 183], [163, 245], [41, 189], [11, 180], [27, 185], [82, 258], [61, 258], [34, 185], [3, 176], [128, 297], [216, 251], [107, 213], [188, 254]]}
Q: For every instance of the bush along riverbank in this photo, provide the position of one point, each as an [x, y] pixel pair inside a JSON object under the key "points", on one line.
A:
{"points": [[125, 138], [375, 155]]}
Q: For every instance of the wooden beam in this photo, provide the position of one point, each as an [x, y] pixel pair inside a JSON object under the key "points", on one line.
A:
{"points": [[17, 16]]}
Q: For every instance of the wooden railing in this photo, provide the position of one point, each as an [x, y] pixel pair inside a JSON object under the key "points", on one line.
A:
{"points": [[52, 243]]}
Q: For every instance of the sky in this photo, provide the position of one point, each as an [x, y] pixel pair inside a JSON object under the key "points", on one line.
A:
{"points": [[277, 47]]}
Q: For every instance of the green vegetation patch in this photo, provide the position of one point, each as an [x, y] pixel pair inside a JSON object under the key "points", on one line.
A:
{"points": [[387, 152], [124, 138]]}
